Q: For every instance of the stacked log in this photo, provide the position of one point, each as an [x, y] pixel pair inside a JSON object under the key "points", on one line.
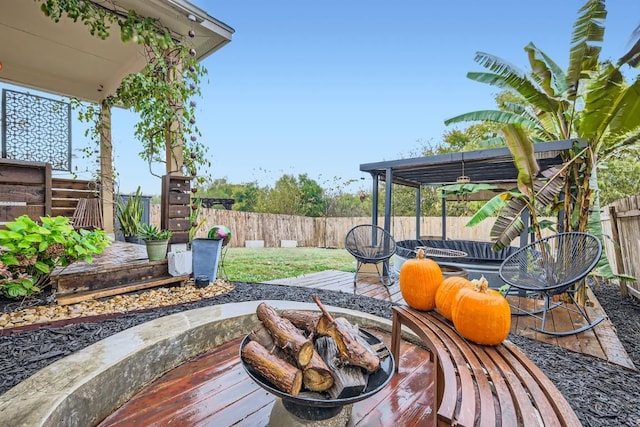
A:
{"points": [[302, 350]]}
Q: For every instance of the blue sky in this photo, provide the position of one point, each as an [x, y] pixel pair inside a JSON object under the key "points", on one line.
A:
{"points": [[321, 87]]}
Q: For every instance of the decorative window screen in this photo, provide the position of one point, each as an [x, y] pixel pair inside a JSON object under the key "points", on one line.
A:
{"points": [[36, 129]]}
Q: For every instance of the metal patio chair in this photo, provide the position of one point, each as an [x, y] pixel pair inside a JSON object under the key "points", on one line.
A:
{"points": [[370, 244], [552, 266]]}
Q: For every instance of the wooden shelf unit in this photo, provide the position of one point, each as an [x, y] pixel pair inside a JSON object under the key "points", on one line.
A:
{"points": [[176, 207]]}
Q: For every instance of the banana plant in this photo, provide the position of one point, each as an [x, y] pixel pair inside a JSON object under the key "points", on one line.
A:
{"points": [[591, 102], [532, 193]]}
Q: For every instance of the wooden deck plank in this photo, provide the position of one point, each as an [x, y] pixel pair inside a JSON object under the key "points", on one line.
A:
{"points": [[408, 392]]}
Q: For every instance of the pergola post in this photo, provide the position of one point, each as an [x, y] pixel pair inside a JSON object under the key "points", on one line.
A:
{"points": [[106, 170], [174, 138]]}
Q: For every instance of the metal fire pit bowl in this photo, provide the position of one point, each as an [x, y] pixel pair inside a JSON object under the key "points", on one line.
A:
{"points": [[310, 408]]}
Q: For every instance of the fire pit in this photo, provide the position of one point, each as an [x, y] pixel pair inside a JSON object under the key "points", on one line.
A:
{"points": [[311, 406]]}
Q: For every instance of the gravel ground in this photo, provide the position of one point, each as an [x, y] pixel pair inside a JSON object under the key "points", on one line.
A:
{"points": [[601, 394]]}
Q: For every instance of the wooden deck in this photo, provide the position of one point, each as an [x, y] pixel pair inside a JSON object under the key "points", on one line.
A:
{"points": [[601, 342], [214, 390]]}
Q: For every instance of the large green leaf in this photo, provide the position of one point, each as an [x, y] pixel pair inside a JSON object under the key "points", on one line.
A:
{"points": [[524, 158], [490, 208], [508, 225], [515, 81], [504, 74], [552, 126], [626, 116], [546, 72], [587, 30], [600, 101], [491, 115]]}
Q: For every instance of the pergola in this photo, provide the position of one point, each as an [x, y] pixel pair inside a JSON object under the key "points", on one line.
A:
{"points": [[491, 166], [63, 58]]}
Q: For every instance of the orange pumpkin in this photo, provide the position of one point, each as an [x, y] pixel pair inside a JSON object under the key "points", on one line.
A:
{"points": [[419, 280], [446, 293], [481, 314]]}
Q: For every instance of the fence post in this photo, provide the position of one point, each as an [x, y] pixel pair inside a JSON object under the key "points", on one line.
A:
{"points": [[615, 236]]}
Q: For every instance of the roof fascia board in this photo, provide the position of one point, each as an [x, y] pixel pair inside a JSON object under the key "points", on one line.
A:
{"points": [[465, 156]]}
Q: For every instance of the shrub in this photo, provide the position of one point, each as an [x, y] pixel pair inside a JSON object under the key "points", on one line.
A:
{"points": [[30, 251]]}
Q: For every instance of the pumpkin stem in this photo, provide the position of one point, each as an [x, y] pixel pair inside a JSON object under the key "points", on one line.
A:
{"points": [[481, 284], [420, 254]]}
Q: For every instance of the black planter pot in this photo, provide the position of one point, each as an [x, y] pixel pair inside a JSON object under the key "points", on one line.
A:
{"points": [[202, 281]]}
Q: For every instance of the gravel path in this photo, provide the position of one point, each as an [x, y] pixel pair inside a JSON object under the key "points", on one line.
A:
{"points": [[601, 394]]}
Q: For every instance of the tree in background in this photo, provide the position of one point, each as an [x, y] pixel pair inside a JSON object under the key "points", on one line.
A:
{"points": [[293, 196], [618, 177], [474, 137], [246, 195]]}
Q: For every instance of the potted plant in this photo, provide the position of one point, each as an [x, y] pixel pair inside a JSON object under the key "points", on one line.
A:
{"points": [[206, 252], [129, 216], [156, 241]]}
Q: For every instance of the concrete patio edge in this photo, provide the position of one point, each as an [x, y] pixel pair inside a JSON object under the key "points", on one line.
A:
{"points": [[85, 387]]}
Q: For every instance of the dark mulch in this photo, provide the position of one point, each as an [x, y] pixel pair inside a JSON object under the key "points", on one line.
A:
{"points": [[601, 394]]}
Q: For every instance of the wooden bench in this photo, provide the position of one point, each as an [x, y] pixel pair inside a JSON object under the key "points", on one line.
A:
{"points": [[480, 385]]}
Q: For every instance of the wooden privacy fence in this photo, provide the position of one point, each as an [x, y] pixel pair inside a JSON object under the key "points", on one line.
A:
{"points": [[621, 226], [272, 229]]}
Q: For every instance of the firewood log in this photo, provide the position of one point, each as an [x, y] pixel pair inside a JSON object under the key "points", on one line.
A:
{"points": [[348, 380], [286, 335], [317, 376], [284, 376], [302, 319], [311, 321], [262, 336], [352, 348]]}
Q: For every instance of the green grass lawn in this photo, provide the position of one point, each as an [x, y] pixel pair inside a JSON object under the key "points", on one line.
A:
{"points": [[263, 264]]}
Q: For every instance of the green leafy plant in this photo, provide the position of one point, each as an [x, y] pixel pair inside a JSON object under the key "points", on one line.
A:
{"points": [[151, 232], [160, 93], [130, 213], [30, 251]]}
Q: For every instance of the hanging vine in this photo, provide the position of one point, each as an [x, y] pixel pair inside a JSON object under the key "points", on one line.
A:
{"points": [[160, 93]]}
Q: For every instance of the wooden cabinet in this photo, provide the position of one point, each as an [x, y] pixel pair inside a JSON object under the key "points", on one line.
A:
{"points": [[176, 207]]}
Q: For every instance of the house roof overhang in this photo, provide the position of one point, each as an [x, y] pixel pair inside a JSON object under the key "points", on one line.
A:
{"points": [[493, 166], [63, 58]]}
